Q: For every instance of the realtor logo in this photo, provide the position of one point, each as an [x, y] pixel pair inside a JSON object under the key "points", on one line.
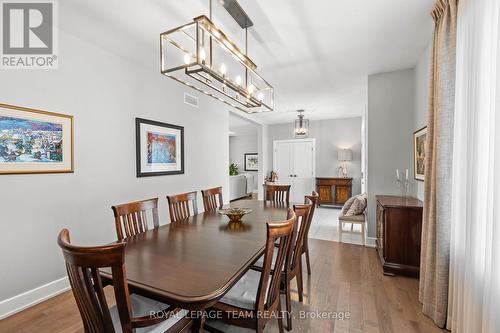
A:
{"points": [[28, 34]]}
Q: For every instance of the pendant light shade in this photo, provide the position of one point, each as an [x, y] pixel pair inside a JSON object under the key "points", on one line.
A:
{"points": [[301, 126]]}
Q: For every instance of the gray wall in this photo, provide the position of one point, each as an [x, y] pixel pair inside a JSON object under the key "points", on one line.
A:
{"points": [[390, 132], [331, 135], [105, 93], [240, 145], [422, 71]]}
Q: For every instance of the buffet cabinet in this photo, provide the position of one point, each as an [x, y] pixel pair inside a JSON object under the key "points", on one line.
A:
{"points": [[399, 229], [333, 191]]}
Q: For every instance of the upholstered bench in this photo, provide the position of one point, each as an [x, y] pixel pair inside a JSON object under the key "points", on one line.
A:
{"points": [[354, 219]]}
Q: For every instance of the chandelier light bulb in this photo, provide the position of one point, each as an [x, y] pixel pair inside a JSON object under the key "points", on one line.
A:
{"points": [[203, 54], [187, 58], [238, 80], [223, 69], [251, 88], [260, 96]]}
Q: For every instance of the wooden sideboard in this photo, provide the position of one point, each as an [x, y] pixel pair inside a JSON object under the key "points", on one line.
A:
{"points": [[399, 229], [333, 191]]}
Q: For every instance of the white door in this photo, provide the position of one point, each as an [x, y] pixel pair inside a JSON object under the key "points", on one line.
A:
{"points": [[303, 161], [294, 162]]}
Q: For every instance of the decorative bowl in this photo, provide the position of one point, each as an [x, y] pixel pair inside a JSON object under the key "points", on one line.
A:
{"points": [[235, 214]]}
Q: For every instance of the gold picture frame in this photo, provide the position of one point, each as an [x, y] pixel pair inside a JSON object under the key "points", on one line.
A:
{"points": [[34, 141], [419, 156]]}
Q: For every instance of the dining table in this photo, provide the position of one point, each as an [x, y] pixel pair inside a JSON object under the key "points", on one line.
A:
{"points": [[192, 263]]}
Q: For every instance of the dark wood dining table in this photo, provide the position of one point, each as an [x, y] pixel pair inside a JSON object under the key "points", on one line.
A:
{"points": [[193, 263]]}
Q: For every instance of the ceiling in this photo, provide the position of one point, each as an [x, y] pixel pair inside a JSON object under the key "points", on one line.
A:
{"points": [[316, 54], [239, 126]]}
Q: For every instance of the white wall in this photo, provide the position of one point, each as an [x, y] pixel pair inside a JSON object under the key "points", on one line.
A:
{"points": [[240, 145], [331, 135], [105, 93], [422, 71], [390, 133]]}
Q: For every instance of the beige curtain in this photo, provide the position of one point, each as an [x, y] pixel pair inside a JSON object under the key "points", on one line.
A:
{"points": [[435, 252]]}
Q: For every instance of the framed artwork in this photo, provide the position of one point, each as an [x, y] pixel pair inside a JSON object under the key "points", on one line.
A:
{"points": [[159, 148], [251, 162], [419, 139], [35, 141]]}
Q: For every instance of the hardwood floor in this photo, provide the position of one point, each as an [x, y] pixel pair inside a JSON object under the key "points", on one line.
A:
{"points": [[345, 278]]}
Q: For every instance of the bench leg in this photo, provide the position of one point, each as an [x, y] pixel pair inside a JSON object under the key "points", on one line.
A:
{"points": [[363, 233], [340, 231]]}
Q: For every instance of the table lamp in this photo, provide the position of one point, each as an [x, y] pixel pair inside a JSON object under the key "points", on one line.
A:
{"points": [[344, 155]]}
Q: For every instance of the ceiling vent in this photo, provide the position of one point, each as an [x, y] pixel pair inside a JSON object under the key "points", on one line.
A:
{"points": [[191, 100]]}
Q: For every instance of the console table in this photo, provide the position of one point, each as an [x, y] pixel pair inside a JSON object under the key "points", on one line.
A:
{"points": [[399, 229], [333, 191]]}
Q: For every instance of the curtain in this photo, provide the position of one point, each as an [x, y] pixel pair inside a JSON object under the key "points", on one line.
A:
{"points": [[435, 246], [475, 237]]}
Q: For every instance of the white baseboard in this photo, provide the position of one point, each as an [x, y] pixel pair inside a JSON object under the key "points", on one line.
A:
{"points": [[370, 242], [32, 297]]}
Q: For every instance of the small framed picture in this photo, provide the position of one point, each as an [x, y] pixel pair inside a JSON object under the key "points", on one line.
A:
{"points": [[251, 162], [35, 141], [419, 157], [159, 148]]}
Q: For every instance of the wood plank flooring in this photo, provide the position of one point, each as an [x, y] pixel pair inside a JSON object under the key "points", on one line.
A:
{"points": [[345, 278]]}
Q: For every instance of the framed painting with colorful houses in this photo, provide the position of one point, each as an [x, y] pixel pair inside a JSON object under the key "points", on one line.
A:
{"points": [[35, 141]]}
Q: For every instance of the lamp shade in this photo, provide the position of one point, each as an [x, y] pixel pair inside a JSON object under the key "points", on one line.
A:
{"points": [[344, 155]]}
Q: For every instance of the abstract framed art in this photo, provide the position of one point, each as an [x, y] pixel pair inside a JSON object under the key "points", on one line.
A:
{"points": [[159, 148], [251, 162], [419, 139], [35, 141]]}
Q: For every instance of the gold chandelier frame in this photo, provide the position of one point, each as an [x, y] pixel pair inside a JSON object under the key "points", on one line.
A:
{"points": [[201, 70]]}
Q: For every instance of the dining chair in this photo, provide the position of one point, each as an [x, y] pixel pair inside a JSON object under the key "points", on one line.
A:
{"points": [[132, 217], [277, 194], [132, 313], [314, 201], [293, 267], [255, 298], [178, 206], [210, 198]]}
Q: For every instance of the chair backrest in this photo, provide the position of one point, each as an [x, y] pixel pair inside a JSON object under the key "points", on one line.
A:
{"points": [[132, 217], [302, 213], [82, 265], [178, 206], [279, 194], [210, 198], [313, 198], [268, 292]]}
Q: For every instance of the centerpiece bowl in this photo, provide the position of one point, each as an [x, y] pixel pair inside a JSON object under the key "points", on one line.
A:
{"points": [[235, 214]]}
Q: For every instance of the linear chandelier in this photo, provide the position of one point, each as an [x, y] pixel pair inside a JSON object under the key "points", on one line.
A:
{"points": [[199, 55]]}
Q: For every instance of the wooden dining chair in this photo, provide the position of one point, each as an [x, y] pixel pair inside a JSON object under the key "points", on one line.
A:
{"points": [[293, 267], [277, 194], [314, 201], [178, 206], [255, 298], [132, 217], [212, 199], [131, 312]]}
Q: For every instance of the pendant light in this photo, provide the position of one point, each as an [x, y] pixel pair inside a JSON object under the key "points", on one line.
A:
{"points": [[301, 126], [201, 56]]}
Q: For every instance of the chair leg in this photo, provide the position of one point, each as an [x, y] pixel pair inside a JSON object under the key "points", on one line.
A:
{"points": [[280, 317], [288, 305], [308, 261], [300, 286]]}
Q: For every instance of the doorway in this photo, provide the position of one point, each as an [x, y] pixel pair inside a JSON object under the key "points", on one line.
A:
{"points": [[295, 164]]}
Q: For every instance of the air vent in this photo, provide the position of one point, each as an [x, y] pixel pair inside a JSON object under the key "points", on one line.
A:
{"points": [[191, 100]]}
